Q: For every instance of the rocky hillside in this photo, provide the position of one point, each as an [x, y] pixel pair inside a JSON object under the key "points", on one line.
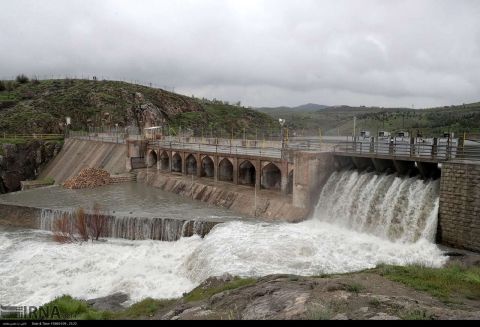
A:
{"points": [[33, 106]]}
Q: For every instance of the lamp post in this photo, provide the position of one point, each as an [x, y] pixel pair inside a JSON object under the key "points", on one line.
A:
{"points": [[282, 123], [68, 121]]}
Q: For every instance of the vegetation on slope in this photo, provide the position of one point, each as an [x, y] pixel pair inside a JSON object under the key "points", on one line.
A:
{"points": [[339, 120], [33, 106]]}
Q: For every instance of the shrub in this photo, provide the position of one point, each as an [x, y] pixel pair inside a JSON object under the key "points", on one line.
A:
{"points": [[22, 79], [80, 226]]}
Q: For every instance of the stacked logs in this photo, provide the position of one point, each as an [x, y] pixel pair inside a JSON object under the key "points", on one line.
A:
{"points": [[88, 178]]}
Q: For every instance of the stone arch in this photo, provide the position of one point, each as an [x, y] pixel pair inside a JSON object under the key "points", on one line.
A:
{"points": [[151, 158], [247, 173], [225, 170], [164, 161], [191, 165], [208, 167], [271, 177], [177, 163]]}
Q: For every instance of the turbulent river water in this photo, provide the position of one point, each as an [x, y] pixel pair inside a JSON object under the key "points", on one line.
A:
{"points": [[361, 220]]}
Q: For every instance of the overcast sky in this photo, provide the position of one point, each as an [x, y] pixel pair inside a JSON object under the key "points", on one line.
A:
{"points": [[263, 53]]}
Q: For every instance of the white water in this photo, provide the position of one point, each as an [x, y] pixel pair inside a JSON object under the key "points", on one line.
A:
{"points": [[394, 208], [133, 228], [34, 270]]}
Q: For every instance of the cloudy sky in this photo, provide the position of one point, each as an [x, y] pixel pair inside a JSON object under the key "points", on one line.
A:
{"points": [[263, 53]]}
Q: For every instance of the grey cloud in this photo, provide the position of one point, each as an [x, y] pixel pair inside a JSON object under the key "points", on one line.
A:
{"points": [[384, 53]]}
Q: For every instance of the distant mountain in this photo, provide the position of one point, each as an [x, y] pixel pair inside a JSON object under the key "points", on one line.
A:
{"points": [[310, 119], [309, 107]]}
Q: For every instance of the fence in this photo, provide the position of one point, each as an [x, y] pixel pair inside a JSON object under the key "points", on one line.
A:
{"points": [[94, 77], [234, 149], [441, 151], [32, 136]]}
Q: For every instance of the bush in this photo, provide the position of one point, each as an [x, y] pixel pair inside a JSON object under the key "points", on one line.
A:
{"points": [[22, 79], [80, 227]]}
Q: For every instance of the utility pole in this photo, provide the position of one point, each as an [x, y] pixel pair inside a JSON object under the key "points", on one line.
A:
{"points": [[354, 126]]}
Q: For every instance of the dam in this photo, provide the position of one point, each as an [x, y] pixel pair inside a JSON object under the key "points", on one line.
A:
{"points": [[273, 181], [352, 213]]}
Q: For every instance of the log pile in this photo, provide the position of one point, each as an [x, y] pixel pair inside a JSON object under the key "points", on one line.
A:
{"points": [[88, 178]]}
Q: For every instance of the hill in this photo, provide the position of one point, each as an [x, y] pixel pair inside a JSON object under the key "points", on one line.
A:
{"points": [[338, 120], [41, 107]]}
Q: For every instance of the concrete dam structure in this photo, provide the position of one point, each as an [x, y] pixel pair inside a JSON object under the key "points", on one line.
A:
{"points": [[289, 182], [80, 154]]}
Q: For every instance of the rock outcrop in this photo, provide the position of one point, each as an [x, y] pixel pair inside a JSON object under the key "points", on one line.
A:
{"points": [[20, 162]]}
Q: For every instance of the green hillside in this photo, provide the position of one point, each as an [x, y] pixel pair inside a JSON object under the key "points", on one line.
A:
{"points": [[41, 107], [339, 120]]}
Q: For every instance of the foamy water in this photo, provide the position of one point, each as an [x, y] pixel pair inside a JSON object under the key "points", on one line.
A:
{"points": [[344, 236], [34, 270]]}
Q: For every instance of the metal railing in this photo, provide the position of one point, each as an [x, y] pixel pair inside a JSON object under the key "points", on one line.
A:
{"points": [[434, 152], [32, 136], [118, 138], [269, 152]]}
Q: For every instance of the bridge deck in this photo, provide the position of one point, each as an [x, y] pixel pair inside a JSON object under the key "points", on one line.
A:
{"points": [[275, 153]]}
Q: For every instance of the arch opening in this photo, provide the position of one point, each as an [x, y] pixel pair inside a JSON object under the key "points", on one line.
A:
{"points": [[177, 163], [164, 161], [247, 174], [271, 177], [191, 165], [225, 171], [208, 167], [151, 159]]}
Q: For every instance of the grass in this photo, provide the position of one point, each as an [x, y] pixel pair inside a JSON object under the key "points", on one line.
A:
{"points": [[354, 288], [319, 313], [200, 293], [68, 308], [443, 283], [417, 314], [145, 308], [47, 181]]}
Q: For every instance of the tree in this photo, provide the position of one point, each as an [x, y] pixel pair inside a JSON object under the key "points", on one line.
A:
{"points": [[22, 79], [2, 86]]}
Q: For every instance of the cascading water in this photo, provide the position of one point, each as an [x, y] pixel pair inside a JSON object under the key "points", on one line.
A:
{"points": [[391, 207], [134, 228], [361, 220]]}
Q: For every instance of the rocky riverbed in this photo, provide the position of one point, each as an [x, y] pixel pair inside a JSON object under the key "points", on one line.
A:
{"points": [[367, 295]]}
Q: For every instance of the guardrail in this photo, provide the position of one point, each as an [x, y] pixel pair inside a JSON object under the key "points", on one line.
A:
{"points": [[118, 138], [32, 136], [268, 152], [433, 152]]}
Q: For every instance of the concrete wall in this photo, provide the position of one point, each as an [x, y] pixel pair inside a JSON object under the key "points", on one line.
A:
{"points": [[311, 172], [270, 205], [19, 216], [79, 154], [459, 215]]}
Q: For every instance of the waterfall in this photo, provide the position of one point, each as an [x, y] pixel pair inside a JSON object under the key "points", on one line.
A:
{"points": [[134, 228], [395, 208]]}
